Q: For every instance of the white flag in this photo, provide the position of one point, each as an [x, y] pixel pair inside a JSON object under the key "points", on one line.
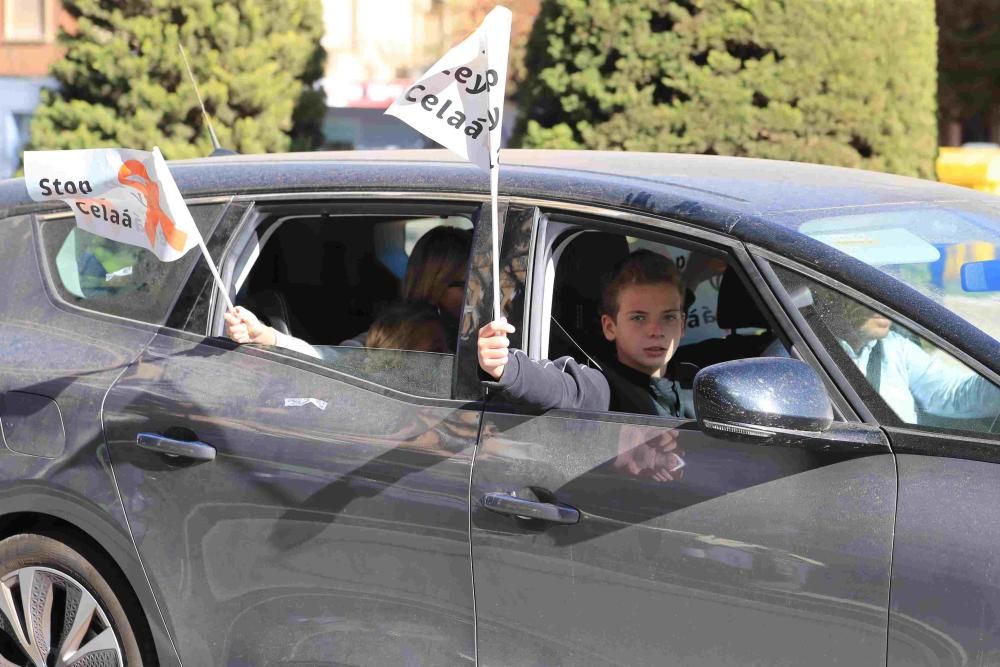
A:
{"points": [[459, 101], [121, 194]]}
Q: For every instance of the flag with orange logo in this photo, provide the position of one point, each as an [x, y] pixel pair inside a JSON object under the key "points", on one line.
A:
{"points": [[121, 194]]}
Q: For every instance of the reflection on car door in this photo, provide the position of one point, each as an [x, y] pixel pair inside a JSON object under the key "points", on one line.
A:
{"points": [[756, 554], [331, 526]]}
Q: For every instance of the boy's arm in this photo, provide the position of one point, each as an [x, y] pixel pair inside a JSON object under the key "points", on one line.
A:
{"points": [[545, 385]]}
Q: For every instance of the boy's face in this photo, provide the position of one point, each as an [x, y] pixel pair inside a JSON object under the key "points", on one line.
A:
{"points": [[648, 327]]}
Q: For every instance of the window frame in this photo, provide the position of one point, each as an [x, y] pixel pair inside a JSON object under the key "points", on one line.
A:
{"points": [[267, 207], [765, 258], [669, 231], [47, 35], [50, 279]]}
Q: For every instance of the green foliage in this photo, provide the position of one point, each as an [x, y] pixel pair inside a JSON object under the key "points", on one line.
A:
{"points": [[845, 82], [123, 82]]}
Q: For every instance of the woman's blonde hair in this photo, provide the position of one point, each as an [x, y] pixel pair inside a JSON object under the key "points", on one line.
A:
{"points": [[401, 326], [437, 257]]}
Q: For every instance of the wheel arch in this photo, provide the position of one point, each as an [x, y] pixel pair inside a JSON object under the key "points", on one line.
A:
{"points": [[97, 539]]}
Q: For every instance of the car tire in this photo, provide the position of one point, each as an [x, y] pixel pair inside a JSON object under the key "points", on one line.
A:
{"points": [[77, 614]]}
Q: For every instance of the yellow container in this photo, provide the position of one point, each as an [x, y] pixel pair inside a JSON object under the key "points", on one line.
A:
{"points": [[971, 167]]}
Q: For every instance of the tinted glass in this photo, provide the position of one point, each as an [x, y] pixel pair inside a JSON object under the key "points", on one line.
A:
{"points": [[950, 253], [376, 296], [101, 275], [903, 377], [716, 318], [418, 373]]}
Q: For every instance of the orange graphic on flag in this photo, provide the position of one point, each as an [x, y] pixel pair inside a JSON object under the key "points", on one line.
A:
{"points": [[133, 174]]}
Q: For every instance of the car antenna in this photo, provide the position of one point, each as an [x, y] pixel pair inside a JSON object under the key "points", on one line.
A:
{"points": [[217, 148]]}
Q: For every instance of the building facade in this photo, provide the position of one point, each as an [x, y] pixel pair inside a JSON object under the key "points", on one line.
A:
{"points": [[374, 49], [28, 47]]}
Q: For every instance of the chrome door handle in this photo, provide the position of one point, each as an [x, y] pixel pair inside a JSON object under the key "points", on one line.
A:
{"points": [[161, 444], [510, 505]]}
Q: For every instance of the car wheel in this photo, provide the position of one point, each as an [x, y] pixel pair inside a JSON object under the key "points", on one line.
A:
{"points": [[57, 609]]}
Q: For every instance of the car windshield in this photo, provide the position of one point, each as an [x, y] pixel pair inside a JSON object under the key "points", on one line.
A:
{"points": [[951, 254]]}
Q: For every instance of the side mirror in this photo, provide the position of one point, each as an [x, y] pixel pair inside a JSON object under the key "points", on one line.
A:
{"points": [[981, 276], [761, 399]]}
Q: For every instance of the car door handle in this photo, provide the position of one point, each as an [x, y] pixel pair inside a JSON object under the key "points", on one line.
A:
{"points": [[510, 505], [161, 444]]}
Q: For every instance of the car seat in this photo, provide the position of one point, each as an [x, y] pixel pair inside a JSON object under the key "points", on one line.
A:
{"points": [[736, 309], [581, 273], [271, 307]]}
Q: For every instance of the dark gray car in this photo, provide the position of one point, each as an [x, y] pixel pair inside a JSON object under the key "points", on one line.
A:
{"points": [[170, 497]]}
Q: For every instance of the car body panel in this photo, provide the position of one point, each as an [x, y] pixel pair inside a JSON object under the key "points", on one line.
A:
{"points": [[775, 555], [945, 606], [71, 360], [327, 535]]}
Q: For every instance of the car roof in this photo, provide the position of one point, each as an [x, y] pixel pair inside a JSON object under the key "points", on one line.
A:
{"points": [[753, 185], [716, 192]]}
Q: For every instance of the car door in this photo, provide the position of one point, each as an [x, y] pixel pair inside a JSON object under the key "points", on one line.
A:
{"points": [[946, 568], [749, 554], [293, 511]]}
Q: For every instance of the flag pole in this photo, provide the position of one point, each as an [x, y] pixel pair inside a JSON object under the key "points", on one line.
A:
{"points": [[215, 273], [494, 153], [173, 194], [495, 234]]}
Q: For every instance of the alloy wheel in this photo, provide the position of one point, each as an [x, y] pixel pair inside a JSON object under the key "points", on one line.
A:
{"points": [[48, 619]]}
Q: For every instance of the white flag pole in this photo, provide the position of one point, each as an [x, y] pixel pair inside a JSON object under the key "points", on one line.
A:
{"points": [[215, 273], [173, 195], [494, 232], [494, 155]]}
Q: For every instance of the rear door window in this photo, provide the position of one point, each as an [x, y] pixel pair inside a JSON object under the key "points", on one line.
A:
{"points": [[373, 291], [104, 276]]}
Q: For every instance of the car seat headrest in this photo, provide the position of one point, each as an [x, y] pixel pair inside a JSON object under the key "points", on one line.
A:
{"points": [[271, 307], [583, 268], [736, 308]]}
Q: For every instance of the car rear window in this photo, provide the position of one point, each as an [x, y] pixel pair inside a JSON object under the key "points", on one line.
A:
{"points": [[104, 276]]}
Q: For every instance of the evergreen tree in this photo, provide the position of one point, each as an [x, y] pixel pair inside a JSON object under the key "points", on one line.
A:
{"points": [[123, 81], [968, 59], [845, 82]]}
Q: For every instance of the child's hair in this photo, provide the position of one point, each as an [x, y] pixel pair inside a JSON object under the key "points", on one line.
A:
{"points": [[437, 256], [400, 326], [642, 267]]}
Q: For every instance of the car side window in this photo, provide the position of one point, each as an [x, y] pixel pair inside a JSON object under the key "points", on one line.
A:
{"points": [[105, 276], [902, 376], [719, 318], [377, 296]]}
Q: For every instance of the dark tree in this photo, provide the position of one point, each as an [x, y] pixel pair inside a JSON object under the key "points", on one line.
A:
{"points": [[969, 61]]}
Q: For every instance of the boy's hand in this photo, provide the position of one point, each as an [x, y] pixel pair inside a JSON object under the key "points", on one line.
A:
{"points": [[243, 327], [649, 453], [493, 345]]}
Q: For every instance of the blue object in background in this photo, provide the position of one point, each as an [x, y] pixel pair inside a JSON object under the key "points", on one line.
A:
{"points": [[981, 276]]}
